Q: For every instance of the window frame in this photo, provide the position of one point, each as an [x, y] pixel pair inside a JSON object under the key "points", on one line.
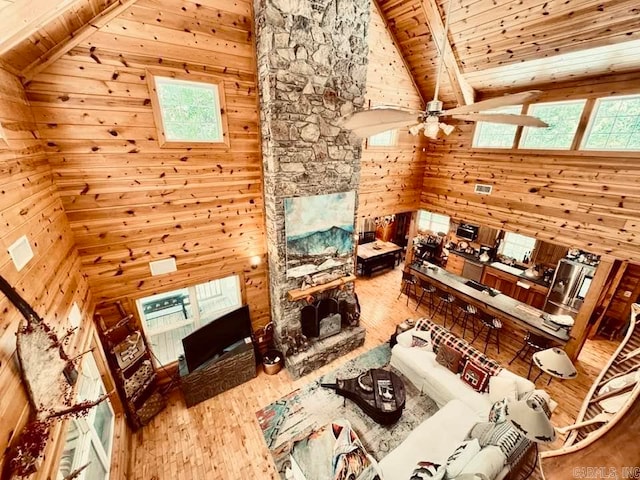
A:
{"points": [[151, 75], [516, 134], [505, 241], [197, 318], [4, 143], [576, 132], [435, 232], [591, 121], [88, 436]]}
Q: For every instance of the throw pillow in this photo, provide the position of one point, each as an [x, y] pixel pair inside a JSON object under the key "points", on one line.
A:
{"points": [[498, 412], [500, 387], [405, 338], [474, 376], [461, 456], [449, 358], [505, 436], [422, 340], [428, 470]]}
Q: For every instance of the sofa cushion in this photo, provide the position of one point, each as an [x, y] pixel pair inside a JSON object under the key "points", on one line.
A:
{"points": [[489, 461], [422, 340], [523, 385], [502, 387], [474, 376], [461, 456], [505, 436], [449, 357]]}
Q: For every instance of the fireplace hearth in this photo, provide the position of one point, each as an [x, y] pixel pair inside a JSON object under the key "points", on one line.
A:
{"points": [[321, 319]]}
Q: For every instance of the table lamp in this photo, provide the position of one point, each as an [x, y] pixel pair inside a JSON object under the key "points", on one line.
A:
{"points": [[555, 362]]}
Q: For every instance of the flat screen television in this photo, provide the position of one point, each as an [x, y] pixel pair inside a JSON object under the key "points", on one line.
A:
{"points": [[211, 339]]}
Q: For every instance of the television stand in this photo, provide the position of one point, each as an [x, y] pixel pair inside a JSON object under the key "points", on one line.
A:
{"points": [[217, 375]]}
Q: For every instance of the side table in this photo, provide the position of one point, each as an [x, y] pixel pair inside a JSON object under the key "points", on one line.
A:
{"points": [[402, 327]]}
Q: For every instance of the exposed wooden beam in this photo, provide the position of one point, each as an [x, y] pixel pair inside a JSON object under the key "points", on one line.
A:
{"points": [[21, 19], [75, 39], [399, 50], [463, 91]]}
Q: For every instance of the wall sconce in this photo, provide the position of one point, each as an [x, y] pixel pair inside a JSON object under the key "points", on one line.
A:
{"points": [[255, 262]]}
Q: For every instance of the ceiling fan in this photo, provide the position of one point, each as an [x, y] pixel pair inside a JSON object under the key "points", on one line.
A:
{"points": [[377, 120]]}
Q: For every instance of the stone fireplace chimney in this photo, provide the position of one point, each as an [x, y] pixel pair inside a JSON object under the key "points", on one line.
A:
{"points": [[312, 64]]}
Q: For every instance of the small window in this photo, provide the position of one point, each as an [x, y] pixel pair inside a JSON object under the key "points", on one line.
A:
{"points": [[432, 222], [562, 118], [4, 144], [169, 317], [517, 246], [614, 125], [496, 135], [187, 112], [384, 139]]}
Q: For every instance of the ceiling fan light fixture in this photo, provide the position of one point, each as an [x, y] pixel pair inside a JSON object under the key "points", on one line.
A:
{"points": [[431, 129], [415, 130], [447, 129]]}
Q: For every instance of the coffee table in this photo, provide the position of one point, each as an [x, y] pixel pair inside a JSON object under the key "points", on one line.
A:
{"points": [[379, 393]]}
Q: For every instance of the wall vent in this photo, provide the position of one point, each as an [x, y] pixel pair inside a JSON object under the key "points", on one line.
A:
{"points": [[483, 189], [21, 252], [160, 267]]}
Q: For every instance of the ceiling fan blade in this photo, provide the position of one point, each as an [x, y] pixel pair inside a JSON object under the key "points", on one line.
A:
{"points": [[378, 120], [513, 99], [508, 118], [366, 132]]}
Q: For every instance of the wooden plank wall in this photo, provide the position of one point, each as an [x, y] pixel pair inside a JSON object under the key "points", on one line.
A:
{"points": [[588, 200], [390, 178], [52, 281], [128, 200]]}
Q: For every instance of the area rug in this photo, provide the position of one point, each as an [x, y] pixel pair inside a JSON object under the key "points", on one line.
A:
{"points": [[296, 415]]}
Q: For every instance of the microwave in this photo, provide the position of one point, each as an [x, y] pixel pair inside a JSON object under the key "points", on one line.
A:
{"points": [[467, 231]]}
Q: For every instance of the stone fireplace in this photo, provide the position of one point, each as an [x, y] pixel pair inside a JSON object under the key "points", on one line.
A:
{"points": [[312, 64]]}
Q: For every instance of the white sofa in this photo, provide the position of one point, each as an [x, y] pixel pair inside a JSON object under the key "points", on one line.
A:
{"points": [[461, 407], [431, 378]]}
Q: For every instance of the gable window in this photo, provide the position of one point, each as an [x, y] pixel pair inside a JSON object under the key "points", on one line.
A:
{"points": [[563, 119], [169, 317], [614, 125], [89, 437], [432, 222], [188, 112], [383, 139], [516, 246], [496, 135]]}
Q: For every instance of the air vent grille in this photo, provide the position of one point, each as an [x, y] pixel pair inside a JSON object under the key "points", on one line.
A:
{"points": [[483, 189]]}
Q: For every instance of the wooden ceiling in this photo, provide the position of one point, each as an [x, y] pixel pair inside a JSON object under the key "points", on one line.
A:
{"points": [[493, 45], [516, 44]]}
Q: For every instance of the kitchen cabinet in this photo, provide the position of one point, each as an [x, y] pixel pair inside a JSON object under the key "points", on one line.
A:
{"points": [[516, 287], [549, 254], [487, 236], [455, 264]]}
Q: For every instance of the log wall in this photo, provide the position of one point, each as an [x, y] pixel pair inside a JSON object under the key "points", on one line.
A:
{"points": [[128, 200], [390, 178], [51, 282], [575, 198]]}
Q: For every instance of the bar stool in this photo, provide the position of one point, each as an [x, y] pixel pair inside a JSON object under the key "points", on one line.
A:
{"points": [[427, 289], [532, 343], [469, 313], [445, 306], [408, 282], [493, 326]]}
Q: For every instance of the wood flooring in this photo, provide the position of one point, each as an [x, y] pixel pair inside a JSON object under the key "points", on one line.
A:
{"points": [[220, 438]]}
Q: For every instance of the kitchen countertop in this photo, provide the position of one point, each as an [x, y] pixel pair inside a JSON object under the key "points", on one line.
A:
{"points": [[516, 272], [521, 313], [468, 256]]}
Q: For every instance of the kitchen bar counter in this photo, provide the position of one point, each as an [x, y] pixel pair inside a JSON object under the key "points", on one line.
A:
{"points": [[502, 306]]}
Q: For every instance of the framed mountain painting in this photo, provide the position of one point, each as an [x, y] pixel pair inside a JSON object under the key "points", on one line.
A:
{"points": [[319, 232]]}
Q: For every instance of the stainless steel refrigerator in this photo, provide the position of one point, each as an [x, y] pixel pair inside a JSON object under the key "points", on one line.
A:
{"points": [[569, 287]]}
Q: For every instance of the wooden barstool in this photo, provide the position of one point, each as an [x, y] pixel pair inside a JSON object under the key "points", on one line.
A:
{"points": [[427, 290], [408, 282], [532, 343], [493, 326], [445, 306]]}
